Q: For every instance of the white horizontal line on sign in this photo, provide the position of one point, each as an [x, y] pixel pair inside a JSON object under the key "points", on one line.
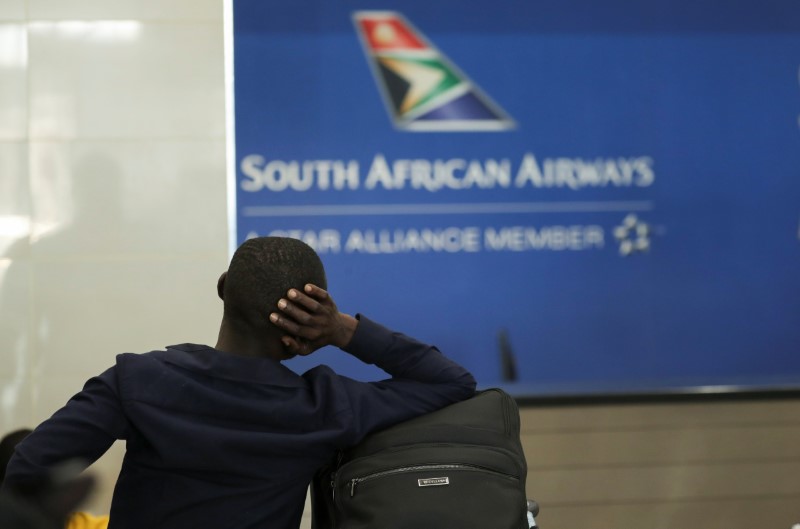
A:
{"points": [[332, 210]]}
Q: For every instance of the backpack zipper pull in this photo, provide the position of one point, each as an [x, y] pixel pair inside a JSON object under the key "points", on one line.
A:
{"points": [[353, 487]]}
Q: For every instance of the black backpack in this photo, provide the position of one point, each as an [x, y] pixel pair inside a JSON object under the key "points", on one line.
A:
{"points": [[461, 467]]}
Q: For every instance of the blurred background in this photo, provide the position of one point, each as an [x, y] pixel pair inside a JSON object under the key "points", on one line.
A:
{"points": [[114, 226]]}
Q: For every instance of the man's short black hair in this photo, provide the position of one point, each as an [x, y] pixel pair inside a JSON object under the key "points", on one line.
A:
{"points": [[261, 272]]}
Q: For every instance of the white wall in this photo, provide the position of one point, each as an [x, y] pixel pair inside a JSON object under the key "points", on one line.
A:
{"points": [[113, 222]]}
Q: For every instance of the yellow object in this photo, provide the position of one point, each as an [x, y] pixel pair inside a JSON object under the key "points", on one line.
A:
{"points": [[82, 520]]}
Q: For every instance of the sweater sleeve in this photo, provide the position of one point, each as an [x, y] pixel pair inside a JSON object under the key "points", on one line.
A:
{"points": [[423, 380], [81, 431]]}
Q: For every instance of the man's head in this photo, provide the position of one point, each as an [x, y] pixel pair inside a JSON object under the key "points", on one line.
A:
{"points": [[262, 270]]}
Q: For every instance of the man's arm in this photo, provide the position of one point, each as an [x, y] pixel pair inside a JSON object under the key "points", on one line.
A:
{"points": [[81, 431], [423, 380]]}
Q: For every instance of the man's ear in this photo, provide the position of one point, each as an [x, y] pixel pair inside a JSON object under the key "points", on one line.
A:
{"points": [[221, 285]]}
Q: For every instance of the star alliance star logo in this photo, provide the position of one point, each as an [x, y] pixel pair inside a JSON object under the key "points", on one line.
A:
{"points": [[421, 88], [633, 235]]}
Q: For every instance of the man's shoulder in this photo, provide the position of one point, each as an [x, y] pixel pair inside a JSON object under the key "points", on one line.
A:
{"points": [[170, 352], [131, 370]]}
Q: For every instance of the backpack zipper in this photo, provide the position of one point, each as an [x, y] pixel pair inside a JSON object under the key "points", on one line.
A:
{"points": [[339, 458], [401, 470]]}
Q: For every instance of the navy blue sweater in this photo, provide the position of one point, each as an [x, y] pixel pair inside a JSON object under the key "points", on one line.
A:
{"points": [[217, 441]]}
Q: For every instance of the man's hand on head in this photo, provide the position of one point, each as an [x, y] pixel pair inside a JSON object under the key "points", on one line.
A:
{"points": [[311, 321]]}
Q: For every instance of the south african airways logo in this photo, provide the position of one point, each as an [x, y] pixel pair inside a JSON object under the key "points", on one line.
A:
{"points": [[422, 89]]}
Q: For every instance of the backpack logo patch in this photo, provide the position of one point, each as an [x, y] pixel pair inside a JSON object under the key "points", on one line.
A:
{"points": [[433, 482]]}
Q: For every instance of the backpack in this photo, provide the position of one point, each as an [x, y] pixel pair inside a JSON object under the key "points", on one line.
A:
{"points": [[461, 467]]}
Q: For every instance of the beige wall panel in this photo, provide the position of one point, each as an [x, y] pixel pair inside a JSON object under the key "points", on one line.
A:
{"points": [[16, 337], [131, 9], [87, 312], [125, 79], [757, 513], [15, 200], [13, 81], [662, 446], [12, 9], [105, 470], [134, 199], [15, 404], [664, 483], [643, 416]]}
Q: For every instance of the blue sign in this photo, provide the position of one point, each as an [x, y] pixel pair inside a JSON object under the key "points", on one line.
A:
{"points": [[569, 197]]}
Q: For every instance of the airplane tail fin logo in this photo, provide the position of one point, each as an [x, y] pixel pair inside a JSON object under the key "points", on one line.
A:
{"points": [[422, 89]]}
